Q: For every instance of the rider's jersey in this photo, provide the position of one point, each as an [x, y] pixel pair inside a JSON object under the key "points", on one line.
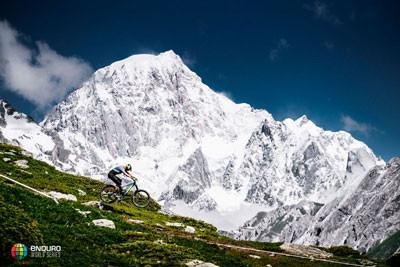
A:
{"points": [[118, 170]]}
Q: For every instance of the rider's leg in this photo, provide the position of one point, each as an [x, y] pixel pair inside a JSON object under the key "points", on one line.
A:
{"points": [[116, 180]]}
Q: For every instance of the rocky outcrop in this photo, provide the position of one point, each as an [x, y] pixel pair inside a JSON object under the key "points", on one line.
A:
{"points": [[361, 219]]}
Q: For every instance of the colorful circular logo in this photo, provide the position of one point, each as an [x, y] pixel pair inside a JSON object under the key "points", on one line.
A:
{"points": [[19, 251]]}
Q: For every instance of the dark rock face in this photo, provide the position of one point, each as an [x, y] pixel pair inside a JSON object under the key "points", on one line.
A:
{"points": [[195, 178], [2, 113]]}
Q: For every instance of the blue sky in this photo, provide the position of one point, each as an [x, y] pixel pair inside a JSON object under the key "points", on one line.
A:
{"points": [[338, 62]]}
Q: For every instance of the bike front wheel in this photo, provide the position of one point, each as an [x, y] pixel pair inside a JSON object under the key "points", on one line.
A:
{"points": [[109, 194], [141, 198]]}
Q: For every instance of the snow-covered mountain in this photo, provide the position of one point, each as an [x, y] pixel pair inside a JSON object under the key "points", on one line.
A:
{"points": [[18, 129], [361, 219], [199, 153], [152, 111]]}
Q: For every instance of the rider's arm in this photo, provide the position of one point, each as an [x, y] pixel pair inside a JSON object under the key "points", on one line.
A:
{"points": [[128, 174]]}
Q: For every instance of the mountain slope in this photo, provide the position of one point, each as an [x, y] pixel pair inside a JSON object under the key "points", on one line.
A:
{"points": [[141, 236], [198, 152], [19, 129], [361, 219]]}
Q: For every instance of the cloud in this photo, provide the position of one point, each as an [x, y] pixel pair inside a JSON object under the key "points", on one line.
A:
{"points": [[351, 125], [39, 74], [322, 11], [275, 53], [227, 95], [188, 59], [145, 50]]}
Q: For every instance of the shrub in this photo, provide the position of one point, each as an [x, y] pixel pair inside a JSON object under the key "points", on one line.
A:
{"points": [[344, 251]]}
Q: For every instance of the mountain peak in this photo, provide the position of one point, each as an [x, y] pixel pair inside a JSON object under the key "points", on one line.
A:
{"points": [[302, 120], [169, 53], [145, 61]]}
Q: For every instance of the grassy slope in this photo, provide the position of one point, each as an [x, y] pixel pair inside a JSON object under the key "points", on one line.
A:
{"points": [[387, 247], [32, 219]]}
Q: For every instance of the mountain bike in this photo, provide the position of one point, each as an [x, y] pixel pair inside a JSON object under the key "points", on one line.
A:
{"points": [[111, 193]]}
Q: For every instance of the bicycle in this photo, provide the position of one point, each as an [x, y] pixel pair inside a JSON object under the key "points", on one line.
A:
{"points": [[110, 193]]}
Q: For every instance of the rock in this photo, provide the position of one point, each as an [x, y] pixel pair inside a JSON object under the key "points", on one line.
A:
{"points": [[104, 223], [159, 227], [268, 265], [306, 251], [81, 192], [26, 172], [26, 153], [174, 224], [9, 153], [22, 163], [84, 213], [159, 241], [135, 221], [190, 229], [93, 204], [166, 211], [255, 256], [199, 263], [6, 159], [59, 195]]}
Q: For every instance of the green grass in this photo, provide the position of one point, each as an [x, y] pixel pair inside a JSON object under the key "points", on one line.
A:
{"points": [[35, 220], [386, 249]]}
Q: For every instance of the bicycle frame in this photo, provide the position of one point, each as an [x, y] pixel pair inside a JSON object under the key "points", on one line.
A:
{"points": [[128, 187]]}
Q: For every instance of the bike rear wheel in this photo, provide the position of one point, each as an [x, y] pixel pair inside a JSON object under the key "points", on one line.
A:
{"points": [[109, 194], [141, 198]]}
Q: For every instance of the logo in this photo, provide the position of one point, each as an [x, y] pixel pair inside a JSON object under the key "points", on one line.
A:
{"points": [[19, 251]]}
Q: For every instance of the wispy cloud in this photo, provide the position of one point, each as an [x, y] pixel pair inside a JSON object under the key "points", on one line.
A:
{"points": [[323, 12], [275, 52], [145, 50], [351, 125], [227, 94], [188, 59], [39, 74]]}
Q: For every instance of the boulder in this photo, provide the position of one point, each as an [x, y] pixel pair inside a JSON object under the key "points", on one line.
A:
{"points": [[26, 153], [255, 256], [174, 224], [22, 163], [84, 213], [104, 223], [81, 192], [58, 195], [190, 229], [199, 263], [93, 204], [135, 221]]}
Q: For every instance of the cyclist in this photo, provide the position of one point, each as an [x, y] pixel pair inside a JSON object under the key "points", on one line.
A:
{"points": [[120, 170]]}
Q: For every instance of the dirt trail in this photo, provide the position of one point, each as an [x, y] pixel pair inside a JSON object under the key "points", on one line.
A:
{"points": [[283, 254]]}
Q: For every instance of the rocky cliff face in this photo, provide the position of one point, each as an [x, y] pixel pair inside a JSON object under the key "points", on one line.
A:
{"points": [[361, 219]]}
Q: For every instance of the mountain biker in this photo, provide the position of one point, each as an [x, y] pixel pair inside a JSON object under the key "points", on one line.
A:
{"points": [[115, 172]]}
